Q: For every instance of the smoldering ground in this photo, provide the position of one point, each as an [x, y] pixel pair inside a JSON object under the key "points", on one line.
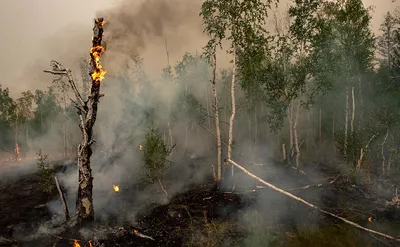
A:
{"points": [[139, 28], [142, 28]]}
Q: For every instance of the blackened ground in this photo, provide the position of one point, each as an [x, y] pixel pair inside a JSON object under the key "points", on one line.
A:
{"points": [[200, 214]]}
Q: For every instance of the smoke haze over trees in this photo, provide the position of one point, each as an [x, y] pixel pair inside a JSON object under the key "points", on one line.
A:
{"points": [[316, 83]]}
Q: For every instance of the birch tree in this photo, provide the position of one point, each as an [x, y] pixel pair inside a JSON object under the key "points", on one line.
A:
{"points": [[240, 23]]}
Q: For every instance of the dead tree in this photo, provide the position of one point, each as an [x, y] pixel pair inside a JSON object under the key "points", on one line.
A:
{"points": [[87, 111]]}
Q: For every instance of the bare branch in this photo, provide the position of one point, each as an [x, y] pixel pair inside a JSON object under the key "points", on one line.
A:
{"points": [[309, 204], [58, 69]]}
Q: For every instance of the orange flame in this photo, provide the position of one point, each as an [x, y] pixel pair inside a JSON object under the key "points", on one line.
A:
{"points": [[76, 244], [116, 188], [98, 72]]}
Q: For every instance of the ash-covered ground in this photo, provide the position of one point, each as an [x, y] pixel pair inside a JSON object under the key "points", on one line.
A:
{"points": [[199, 215]]}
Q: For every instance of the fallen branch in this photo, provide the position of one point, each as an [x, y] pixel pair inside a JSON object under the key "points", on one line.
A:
{"points": [[62, 198], [136, 233], [362, 152], [315, 185], [309, 204]]}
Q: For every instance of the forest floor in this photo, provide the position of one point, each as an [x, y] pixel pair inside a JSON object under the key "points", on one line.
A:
{"points": [[201, 216]]}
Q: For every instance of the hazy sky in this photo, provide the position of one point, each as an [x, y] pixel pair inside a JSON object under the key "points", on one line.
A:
{"points": [[26, 24]]}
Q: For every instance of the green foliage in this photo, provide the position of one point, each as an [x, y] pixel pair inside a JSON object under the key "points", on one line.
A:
{"points": [[7, 109], [45, 173], [259, 237], [213, 234], [155, 153], [46, 111], [314, 236]]}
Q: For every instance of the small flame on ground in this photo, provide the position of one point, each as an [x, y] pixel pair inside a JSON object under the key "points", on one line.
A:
{"points": [[370, 219], [76, 244], [140, 147], [116, 188]]}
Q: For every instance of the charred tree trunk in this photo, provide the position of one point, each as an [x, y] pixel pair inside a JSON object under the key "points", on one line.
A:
{"points": [[84, 206], [87, 111]]}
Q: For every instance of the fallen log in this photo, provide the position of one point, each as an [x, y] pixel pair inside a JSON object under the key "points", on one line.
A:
{"points": [[309, 204], [62, 198]]}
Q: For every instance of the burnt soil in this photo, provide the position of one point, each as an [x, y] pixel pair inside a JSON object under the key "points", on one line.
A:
{"points": [[193, 211]]}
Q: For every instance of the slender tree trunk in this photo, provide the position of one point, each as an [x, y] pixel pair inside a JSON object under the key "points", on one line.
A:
{"points": [[383, 153], [169, 104], [296, 138], [346, 123], [255, 127], [353, 110], [290, 120], [333, 135], [216, 113], [209, 114], [360, 107], [352, 134], [171, 140], [233, 110], [284, 153], [320, 126], [65, 124]]}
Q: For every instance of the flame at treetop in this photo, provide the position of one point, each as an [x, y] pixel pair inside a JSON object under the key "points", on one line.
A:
{"points": [[96, 51]]}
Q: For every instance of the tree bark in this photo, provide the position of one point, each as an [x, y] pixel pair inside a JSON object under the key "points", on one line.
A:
{"points": [[383, 153], [233, 110], [353, 112], [346, 123], [216, 113], [320, 126], [87, 111], [296, 138], [209, 114], [84, 207], [290, 121]]}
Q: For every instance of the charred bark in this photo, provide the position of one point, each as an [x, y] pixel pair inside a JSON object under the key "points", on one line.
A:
{"points": [[87, 111]]}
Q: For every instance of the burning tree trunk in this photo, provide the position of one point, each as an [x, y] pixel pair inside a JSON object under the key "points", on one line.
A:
{"points": [[87, 111]]}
